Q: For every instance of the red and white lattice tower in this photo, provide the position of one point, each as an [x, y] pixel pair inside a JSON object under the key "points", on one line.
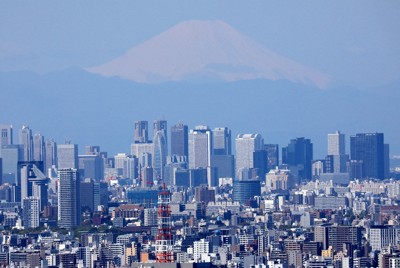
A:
{"points": [[164, 249]]}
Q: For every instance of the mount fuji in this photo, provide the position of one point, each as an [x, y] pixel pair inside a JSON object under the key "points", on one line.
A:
{"points": [[196, 50]]}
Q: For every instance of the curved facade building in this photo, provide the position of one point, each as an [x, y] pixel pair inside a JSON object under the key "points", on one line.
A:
{"points": [[244, 190]]}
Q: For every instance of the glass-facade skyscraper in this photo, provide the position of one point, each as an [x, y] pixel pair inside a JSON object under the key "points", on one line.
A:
{"points": [[299, 154], [179, 140], [369, 148]]}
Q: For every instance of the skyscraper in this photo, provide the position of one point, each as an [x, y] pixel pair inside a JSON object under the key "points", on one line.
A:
{"points": [[273, 155], [90, 166], [6, 135], [51, 154], [68, 198], [160, 125], [160, 151], [33, 182], [246, 145], [127, 164], [39, 148], [160, 148], [11, 155], [67, 155], [200, 147], [222, 141], [299, 155], [92, 150], [31, 212], [179, 140], [26, 140], [336, 144], [337, 153], [141, 133], [369, 148], [87, 195]]}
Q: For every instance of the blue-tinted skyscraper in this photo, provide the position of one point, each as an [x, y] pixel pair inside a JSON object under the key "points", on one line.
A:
{"points": [[11, 155], [243, 190], [26, 140], [179, 140], [299, 155], [222, 141], [141, 133], [369, 148], [51, 154], [160, 148], [6, 136]]}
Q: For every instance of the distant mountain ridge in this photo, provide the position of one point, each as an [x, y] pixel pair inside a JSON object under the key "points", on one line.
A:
{"points": [[206, 51]]}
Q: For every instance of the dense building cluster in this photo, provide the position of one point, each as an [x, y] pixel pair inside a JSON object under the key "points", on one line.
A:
{"points": [[188, 198]]}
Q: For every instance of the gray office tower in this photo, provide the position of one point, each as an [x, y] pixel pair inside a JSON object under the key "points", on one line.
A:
{"points": [[299, 155], [141, 132], [246, 145], [160, 125], [369, 148], [200, 147], [337, 157], [11, 155], [39, 148], [26, 140], [90, 166], [1, 170], [179, 140], [51, 155], [160, 148], [33, 182], [67, 156], [92, 150], [6, 135], [273, 155], [68, 198], [222, 143]]}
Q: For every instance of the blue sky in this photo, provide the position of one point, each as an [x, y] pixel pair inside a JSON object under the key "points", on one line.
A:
{"points": [[357, 43]]}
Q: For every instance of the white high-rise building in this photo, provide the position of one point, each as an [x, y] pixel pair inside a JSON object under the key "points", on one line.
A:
{"points": [[381, 237], [31, 212], [127, 164], [199, 248], [69, 205], [67, 156], [337, 151], [336, 144], [200, 147], [141, 149], [246, 145], [150, 217]]}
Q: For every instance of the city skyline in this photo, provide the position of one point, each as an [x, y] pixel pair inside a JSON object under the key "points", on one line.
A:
{"points": [[345, 140], [200, 134]]}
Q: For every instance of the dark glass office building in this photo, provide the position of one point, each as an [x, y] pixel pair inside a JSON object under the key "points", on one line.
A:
{"points": [[243, 190], [299, 153], [179, 140], [369, 148]]}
